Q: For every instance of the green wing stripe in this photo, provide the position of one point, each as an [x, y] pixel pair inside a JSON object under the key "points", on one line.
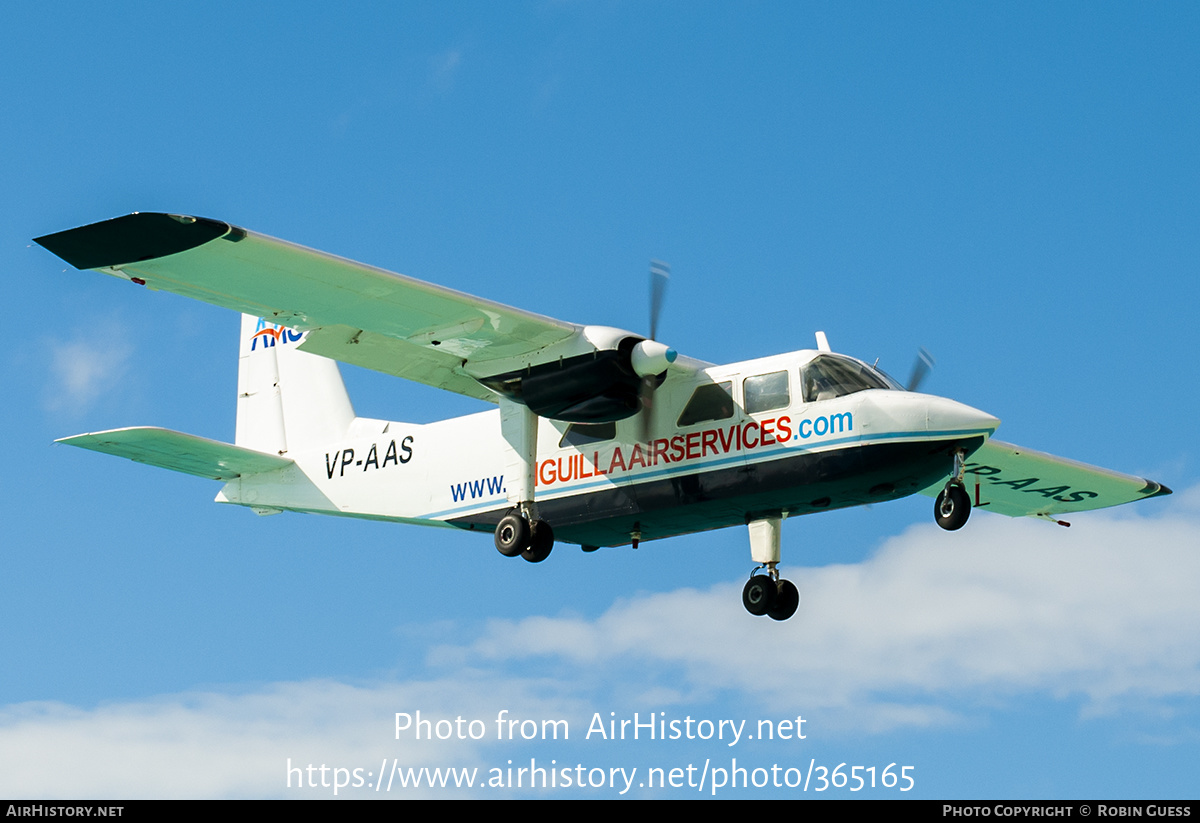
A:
{"points": [[179, 452]]}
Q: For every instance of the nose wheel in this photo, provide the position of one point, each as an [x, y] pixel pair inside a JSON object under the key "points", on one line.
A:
{"points": [[952, 507], [953, 504]]}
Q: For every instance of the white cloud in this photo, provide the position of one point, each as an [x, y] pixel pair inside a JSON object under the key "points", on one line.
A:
{"points": [[1105, 611], [239, 745], [443, 68], [931, 630], [84, 368]]}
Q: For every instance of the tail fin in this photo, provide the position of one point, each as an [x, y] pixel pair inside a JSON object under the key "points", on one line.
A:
{"points": [[287, 399]]}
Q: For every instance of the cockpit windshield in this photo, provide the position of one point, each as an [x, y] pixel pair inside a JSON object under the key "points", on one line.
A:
{"points": [[829, 375]]}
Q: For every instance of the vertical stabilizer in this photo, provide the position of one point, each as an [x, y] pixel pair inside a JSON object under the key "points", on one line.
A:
{"points": [[287, 399], [259, 408]]}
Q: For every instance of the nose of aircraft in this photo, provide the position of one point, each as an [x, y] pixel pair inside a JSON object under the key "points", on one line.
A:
{"points": [[945, 415]]}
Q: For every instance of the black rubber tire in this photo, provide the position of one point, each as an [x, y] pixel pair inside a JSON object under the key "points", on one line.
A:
{"points": [[759, 594], [787, 600], [952, 508], [541, 541], [512, 535]]}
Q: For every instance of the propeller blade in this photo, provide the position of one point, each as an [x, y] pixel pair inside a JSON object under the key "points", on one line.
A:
{"points": [[651, 358], [646, 400], [920, 369], [660, 273]]}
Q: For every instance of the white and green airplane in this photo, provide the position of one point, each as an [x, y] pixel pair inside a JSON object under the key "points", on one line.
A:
{"points": [[603, 437]]}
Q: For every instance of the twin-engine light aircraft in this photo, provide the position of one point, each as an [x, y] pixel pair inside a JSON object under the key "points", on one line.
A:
{"points": [[603, 437]]}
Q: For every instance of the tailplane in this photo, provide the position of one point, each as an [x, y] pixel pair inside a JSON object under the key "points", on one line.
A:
{"points": [[179, 452], [287, 400]]}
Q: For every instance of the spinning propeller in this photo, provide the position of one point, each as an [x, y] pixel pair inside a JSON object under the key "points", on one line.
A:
{"points": [[650, 359], [920, 369]]}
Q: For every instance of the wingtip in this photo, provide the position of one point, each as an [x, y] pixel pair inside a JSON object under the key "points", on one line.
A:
{"points": [[131, 238], [1155, 489]]}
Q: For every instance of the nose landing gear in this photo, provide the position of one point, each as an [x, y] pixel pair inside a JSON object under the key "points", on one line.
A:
{"points": [[953, 505]]}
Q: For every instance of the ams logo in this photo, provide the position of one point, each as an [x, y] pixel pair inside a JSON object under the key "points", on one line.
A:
{"points": [[268, 334]]}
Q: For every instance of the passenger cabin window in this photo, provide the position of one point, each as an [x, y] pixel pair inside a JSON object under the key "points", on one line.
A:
{"points": [[584, 434], [713, 401], [828, 376], [765, 392]]}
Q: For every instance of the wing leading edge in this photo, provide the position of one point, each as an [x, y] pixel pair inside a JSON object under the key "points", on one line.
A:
{"points": [[1020, 482], [354, 313]]}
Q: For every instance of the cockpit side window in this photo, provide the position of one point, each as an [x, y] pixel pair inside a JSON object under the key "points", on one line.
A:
{"points": [[829, 376], [713, 401], [765, 392]]}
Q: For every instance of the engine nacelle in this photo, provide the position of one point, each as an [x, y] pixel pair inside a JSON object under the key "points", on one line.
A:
{"points": [[598, 386]]}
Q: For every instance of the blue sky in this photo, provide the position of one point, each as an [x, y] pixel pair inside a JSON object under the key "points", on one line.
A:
{"points": [[1013, 187]]}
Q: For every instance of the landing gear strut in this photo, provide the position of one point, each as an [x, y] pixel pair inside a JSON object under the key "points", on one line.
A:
{"points": [[767, 594], [953, 504], [520, 531]]}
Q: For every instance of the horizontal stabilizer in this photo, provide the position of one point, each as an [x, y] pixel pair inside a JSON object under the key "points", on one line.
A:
{"points": [[1021, 482], [179, 452]]}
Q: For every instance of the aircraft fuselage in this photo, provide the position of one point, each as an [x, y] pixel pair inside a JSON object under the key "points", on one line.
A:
{"points": [[796, 457]]}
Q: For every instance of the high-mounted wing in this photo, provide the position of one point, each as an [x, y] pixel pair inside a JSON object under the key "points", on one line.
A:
{"points": [[354, 313], [1020, 482]]}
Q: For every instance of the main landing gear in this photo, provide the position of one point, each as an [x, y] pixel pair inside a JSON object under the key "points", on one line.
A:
{"points": [[520, 531], [515, 535], [766, 594], [953, 504]]}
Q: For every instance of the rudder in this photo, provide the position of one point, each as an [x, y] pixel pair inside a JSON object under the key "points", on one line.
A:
{"points": [[287, 399]]}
